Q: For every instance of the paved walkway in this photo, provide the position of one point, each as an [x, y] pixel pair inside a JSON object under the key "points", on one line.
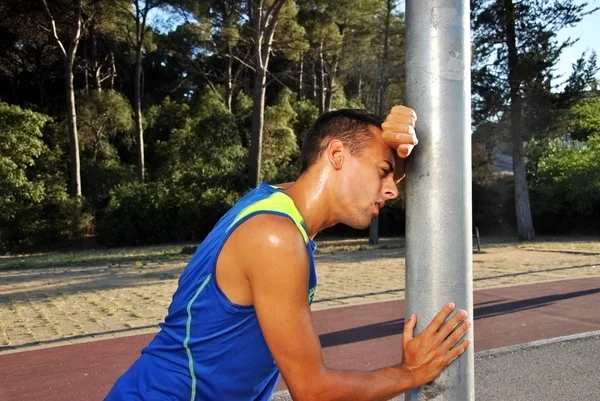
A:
{"points": [[361, 337], [50, 305]]}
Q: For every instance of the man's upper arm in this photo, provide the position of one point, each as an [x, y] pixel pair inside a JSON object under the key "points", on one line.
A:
{"points": [[276, 262]]}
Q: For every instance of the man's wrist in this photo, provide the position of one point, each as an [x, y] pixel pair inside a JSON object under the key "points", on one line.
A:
{"points": [[406, 377]]}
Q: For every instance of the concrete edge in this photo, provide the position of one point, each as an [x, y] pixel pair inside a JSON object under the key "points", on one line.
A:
{"points": [[535, 344], [492, 353], [80, 339]]}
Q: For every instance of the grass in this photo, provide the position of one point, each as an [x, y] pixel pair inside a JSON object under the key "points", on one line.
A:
{"points": [[332, 246], [114, 258], [108, 311], [142, 256], [563, 244]]}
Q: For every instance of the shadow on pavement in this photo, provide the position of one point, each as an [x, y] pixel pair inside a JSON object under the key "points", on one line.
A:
{"points": [[393, 327]]}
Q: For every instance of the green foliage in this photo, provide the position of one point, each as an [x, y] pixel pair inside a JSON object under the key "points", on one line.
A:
{"points": [[139, 214], [584, 119], [565, 185], [158, 212], [306, 114], [289, 35], [243, 106], [35, 209], [201, 165], [100, 176], [163, 120], [279, 143], [206, 151], [20, 146], [196, 62], [100, 117]]}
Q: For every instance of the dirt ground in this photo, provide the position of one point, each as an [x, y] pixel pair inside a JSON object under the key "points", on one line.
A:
{"points": [[51, 305]]}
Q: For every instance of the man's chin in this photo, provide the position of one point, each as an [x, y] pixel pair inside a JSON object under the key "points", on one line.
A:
{"points": [[359, 226]]}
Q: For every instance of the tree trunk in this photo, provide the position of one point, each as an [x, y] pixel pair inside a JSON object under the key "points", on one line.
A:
{"points": [[263, 21], [321, 80], [257, 127], [97, 67], [522, 205], [314, 80], [331, 82], [229, 79], [72, 128], [374, 229], [301, 79], [86, 69], [139, 129], [360, 89], [113, 70], [68, 54], [383, 75]]}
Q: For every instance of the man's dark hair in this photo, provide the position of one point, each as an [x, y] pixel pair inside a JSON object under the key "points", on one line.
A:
{"points": [[350, 126]]}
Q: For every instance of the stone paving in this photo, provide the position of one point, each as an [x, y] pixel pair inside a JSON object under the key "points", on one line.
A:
{"points": [[48, 305]]}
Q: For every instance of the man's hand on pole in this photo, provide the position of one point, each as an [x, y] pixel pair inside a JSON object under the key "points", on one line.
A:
{"points": [[426, 355], [399, 133]]}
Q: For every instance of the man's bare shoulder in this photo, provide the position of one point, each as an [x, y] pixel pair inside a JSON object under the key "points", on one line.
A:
{"points": [[268, 232]]}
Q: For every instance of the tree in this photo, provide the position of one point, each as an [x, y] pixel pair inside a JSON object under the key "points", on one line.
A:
{"points": [[136, 27], [226, 15], [102, 114], [208, 42], [72, 31], [565, 183], [20, 145], [382, 93], [263, 15], [27, 56], [584, 119], [515, 46]]}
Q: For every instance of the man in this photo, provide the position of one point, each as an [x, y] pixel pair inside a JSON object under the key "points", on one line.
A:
{"points": [[241, 313]]}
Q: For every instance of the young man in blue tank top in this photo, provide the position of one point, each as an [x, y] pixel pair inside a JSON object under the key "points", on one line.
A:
{"points": [[241, 314]]}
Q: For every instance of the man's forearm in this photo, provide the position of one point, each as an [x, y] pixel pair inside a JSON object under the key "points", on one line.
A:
{"points": [[343, 385]]}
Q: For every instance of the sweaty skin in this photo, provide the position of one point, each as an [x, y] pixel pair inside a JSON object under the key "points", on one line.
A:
{"points": [[264, 263]]}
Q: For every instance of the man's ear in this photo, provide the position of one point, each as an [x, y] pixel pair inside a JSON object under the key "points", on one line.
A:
{"points": [[335, 154]]}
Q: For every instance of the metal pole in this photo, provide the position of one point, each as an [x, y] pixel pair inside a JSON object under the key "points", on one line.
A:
{"points": [[439, 263]]}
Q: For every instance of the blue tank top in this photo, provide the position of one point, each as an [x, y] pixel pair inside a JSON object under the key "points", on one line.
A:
{"points": [[209, 348]]}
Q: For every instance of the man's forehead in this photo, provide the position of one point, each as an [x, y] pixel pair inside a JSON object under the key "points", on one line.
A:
{"points": [[387, 152]]}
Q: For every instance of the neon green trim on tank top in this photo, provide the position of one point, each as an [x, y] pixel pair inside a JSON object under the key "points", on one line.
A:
{"points": [[278, 202]]}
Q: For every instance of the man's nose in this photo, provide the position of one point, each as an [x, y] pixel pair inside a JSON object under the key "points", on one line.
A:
{"points": [[390, 189]]}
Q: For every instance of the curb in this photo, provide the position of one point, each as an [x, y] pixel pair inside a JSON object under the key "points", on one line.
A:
{"points": [[492, 353], [284, 395]]}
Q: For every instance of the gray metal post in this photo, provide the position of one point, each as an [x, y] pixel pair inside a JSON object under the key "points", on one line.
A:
{"points": [[439, 259]]}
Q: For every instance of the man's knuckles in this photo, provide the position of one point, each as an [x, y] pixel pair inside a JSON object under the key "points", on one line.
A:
{"points": [[403, 110], [398, 127], [403, 119]]}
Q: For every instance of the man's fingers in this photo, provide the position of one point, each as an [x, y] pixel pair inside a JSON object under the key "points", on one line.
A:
{"points": [[401, 118], [403, 110], [457, 351], [398, 128], [439, 319], [403, 151], [451, 324], [456, 335], [409, 328], [395, 139]]}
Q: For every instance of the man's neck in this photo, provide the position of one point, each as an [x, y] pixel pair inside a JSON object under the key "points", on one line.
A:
{"points": [[311, 197]]}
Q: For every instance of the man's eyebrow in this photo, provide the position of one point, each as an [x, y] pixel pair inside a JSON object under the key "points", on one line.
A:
{"points": [[391, 167]]}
